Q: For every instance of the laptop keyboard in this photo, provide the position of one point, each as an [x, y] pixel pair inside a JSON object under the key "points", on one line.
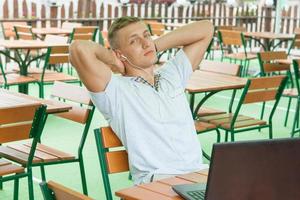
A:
{"points": [[197, 195]]}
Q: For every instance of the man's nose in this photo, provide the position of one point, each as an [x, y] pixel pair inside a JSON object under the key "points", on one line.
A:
{"points": [[145, 43]]}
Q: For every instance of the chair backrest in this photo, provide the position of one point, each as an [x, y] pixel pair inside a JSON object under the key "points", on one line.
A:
{"points": [[155, 27], [269, 62], [82, 107], [54, 191], [8, 29], [261, 90], [84, 33], [231, 37], [233, 28], [70, 25], [220, 67], [296, 65], [24, 32], [21, 123], [111, 160]]}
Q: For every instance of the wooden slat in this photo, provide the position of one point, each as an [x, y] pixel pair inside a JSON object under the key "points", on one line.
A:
{"points": [[228, 120], [117, 161], [266, 82], [85, 29], [23, 28], [54, 76], [14, 133], [135, 193], [64, 49], [220, 67], [272, 55], [195, 177], [215, 117], [10, 169], [83, 37], [54, 152], [209, 111], [58, 59], [161, 188], [4, 162], [71, 92], [203, 126], [18, 114], [245, 123], [275, 67], [77, 114], [260, 96], [38, 154], [109, 138], [63, 193], [231, 37], [175, 181], [15, 155]]}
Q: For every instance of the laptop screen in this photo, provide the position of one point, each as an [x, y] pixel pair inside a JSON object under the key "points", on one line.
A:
{"points": [[268, 170]]}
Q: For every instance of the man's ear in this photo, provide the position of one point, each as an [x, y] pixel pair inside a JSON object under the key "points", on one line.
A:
{"points": [[119, 55]]}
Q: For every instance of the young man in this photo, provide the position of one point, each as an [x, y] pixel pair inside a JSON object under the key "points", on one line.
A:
{"points": [[148, 110]]}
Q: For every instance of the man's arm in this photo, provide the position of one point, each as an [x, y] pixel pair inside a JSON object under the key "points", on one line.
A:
{"points": [[94, 64], [194, 38]]}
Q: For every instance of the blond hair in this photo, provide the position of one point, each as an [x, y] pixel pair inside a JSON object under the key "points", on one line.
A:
{"points": [[116, 26]]}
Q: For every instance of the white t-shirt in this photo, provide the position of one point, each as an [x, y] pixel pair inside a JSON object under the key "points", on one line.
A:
{"points": [[156, 127]]}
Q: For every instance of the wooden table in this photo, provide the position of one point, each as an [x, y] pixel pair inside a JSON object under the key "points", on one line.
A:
{"points": [[25, 61], [268, 38], [211, 83], [162, 189], [9, 98], [53, 31]]}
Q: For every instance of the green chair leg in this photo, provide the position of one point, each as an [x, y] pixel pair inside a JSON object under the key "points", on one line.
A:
{"points": [[226, 136], [16, 189], [287, 112], [30, 185], [1, 183], [43, 174], [270, 131], [232, 136], [296, 118], [83, 178]]}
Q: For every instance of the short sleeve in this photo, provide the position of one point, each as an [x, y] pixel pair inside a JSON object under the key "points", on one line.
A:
{"points": [[180, 67], [106, 101]]}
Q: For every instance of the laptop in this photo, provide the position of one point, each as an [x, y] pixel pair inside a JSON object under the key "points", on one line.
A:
{"points": [[265, 169]]}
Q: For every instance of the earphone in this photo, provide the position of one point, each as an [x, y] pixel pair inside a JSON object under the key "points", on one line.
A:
{"points": [[135, 65]]}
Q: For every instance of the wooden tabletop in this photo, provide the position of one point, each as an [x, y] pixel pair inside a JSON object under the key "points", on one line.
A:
{"points": [[52, 31], [269, 35], [11, 99], [162, 189], [28, 44], [202, 81]]}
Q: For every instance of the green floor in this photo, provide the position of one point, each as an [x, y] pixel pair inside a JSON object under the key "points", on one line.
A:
{"points": [[65, 135]]}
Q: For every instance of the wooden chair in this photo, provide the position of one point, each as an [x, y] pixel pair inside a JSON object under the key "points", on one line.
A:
{"points": [[156, 28], [16, 124], [8, 29], [9, 78], [24, 32], [82, 112], [270, 63], [54, 191], [57, 55], [294, 93], [84, 33], [235, 40], [222, 68], [256, 90], [112, 159]]}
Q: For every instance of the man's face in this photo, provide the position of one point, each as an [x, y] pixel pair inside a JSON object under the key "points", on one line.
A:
{"points": [[136, 44]]}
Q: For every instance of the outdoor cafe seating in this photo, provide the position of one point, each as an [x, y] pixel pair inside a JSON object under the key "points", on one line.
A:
{"points": [[246, 88]]}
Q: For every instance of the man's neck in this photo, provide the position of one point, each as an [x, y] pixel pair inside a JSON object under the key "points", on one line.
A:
{"points": [[147, 74]]}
